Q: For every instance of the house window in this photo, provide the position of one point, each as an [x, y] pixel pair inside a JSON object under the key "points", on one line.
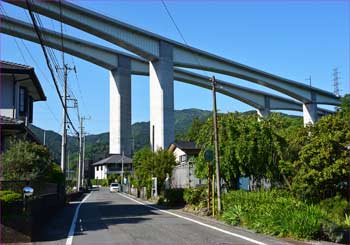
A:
{"points": [[183, 158], [22, 101], [30, 109], [97, 168]]}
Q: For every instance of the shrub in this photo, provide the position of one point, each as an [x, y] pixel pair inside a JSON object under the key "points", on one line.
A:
{"points": [[174, 197], [195, 196], [7, 196], [55, 174], [273, 212], [26, 160], [335, 208], [103, 182]]}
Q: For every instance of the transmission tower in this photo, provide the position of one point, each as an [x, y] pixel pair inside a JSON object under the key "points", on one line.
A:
{"points": [[336, 82]]}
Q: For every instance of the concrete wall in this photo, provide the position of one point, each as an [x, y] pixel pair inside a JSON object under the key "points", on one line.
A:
{"points": [[183, 176]]}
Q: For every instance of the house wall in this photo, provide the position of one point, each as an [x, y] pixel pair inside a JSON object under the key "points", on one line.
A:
{"points": [[178, 153], [101, 173], [9, 100]]}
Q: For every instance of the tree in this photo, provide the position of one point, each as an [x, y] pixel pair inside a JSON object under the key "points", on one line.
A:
{"points": [[323, 159], [247, 147], [26, 160], [148, 164]]}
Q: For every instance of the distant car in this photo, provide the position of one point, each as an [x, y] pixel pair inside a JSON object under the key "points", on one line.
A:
{"points": [[114, 187]]}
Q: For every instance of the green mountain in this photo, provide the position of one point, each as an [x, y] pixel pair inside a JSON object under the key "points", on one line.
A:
{"points": [[97, 146]]}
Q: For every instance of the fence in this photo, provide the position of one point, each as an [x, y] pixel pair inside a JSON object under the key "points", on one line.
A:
{"points": [[183, 176], [23, 219], [39, 188]]}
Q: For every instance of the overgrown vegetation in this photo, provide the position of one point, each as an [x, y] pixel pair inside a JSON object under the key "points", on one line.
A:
{"points": [[273, 212], [148, 164], [102, 182], [307, 168], [29, 161]]}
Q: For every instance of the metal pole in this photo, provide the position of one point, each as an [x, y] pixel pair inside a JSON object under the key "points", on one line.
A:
{"points": [[208, 186], [213, 193], [83, 163], [64, 128], [44, 137], [122, 184], [68, 167], [153, 138], [80, 154], [216, 144]]}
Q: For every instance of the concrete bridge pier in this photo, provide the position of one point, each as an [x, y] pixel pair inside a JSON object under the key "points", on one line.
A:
{"points": [[265, 112], [310, 111], [162, 120], [120, 108]]}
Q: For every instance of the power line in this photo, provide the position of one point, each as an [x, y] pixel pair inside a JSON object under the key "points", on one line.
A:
{"points": [[182, 36], [2, 9], [48, 62]]}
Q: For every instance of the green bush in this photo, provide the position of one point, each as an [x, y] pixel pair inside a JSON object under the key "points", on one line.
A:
{"points": [[7, 196], [102, 182], [273, 212], [114, 178], [195, 196], [55, 174], [335, 208], [174, 197]]}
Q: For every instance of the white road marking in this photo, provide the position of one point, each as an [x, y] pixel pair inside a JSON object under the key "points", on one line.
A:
{"points": [[74, 221], [197, 222]]}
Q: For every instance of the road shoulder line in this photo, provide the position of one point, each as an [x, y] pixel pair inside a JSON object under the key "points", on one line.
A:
{"points": [[196, 221], [74, 221]]}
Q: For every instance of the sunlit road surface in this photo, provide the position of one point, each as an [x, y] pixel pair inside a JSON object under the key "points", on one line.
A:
{"points": [[113, 218]]}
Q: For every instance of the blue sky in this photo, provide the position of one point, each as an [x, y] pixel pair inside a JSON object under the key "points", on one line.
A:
{"points": [[292, 39]]}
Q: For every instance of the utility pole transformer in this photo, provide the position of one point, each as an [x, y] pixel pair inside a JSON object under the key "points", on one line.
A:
{"points": [[216, 145]]}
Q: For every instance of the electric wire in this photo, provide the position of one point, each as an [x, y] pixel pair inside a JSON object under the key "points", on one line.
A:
{"points": [[181, 35], [48, 62], [3, 11]]}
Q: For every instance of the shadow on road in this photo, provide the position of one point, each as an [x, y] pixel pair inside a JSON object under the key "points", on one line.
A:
{"points": [[93, 216]]}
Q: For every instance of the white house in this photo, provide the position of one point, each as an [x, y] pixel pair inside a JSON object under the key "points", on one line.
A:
{"points": [[114, 164], [20, 88]]}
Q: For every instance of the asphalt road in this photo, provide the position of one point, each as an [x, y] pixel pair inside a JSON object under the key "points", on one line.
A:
{"points": [[112, 218]]}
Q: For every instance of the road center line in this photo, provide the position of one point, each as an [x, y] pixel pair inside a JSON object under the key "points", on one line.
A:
{"points": [[74, 221], [196, 221]]}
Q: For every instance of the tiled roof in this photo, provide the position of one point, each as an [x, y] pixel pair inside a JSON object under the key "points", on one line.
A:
{"points": [[25, 74], [186, 145], [11, 65], [115, 158]]}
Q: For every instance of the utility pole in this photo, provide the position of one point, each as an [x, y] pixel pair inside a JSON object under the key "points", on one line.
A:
{"points": [[64, 124], [64, 119], [80, 154], [122, 179], [45, 137], [216, 145], [81, 166]]}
